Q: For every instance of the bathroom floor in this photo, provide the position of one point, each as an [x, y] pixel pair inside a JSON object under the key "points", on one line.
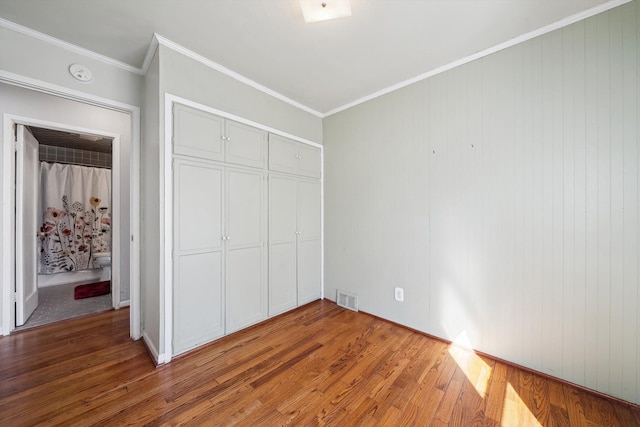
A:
{"points": [[56, 303]]}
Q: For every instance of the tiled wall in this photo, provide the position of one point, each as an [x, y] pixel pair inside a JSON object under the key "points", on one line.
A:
{"points": [[78, 157]]}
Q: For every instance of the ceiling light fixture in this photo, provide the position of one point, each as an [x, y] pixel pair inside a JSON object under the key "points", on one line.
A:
{"points": [[323, 10]]}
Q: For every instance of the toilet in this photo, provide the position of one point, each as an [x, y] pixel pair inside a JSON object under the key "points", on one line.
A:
{"points": [[103, 259]]}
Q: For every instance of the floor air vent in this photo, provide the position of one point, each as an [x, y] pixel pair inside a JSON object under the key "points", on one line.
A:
{"points": [[347, 300]]}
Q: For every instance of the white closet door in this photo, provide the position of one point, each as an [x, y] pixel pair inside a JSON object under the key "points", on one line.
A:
{"points": [[282, 244], [309, 161], [309, 231], [308, 210], [283, 154], [309, 274], [245, 145], [245, 240], [198, 292], [197, 133]]}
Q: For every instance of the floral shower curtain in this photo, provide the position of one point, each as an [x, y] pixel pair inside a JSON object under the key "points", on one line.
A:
{"points": [[76, 216]]}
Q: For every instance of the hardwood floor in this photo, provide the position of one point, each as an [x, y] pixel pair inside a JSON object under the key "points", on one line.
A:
{"points": [[318, 365]]}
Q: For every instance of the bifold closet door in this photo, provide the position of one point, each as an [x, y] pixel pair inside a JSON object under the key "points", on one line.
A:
{"points": [[246, 286], [198, 308]]}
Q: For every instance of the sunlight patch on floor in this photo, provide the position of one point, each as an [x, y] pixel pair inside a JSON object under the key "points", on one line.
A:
{"points": [[475, 369], [515, 411]]}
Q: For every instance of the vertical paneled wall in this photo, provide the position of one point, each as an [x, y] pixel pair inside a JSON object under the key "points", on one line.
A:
{"points": [[503, 197]]}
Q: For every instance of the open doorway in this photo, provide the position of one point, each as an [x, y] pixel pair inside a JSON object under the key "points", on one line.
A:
{"points": [[74, 219], [120, 122]]}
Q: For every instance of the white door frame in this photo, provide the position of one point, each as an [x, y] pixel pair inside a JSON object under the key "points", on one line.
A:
{"points": [[11, 120], [8, 194]]}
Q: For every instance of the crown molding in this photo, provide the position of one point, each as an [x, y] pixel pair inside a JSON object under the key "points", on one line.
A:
{"points": [[224, 70], [151, 51], [157, 40], [512, 42], [69, 46]]}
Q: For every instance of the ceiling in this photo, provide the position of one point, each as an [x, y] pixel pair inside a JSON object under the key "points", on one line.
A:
{"points": [[323, 66], [76, 141]]}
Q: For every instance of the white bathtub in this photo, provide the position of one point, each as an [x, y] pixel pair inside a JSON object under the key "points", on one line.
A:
{"points": [[78, 277]]}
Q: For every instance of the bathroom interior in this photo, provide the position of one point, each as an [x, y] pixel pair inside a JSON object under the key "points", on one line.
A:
{"points": [[74, 236]]}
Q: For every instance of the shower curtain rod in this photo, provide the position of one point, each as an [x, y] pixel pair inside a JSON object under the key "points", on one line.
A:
{"points": [[70, 162]]}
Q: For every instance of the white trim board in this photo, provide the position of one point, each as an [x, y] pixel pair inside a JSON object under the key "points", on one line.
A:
{"points": [[486, 52], [69, 46], [134, 215], [67, 93], [166, 233], [151, 51], [157, 39], [157, 357], [224, 70]]}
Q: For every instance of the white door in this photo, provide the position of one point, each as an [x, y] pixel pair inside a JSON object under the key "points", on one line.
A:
{"points": [[309, 161], [197, 133], [283, 154], [282, 245], [245, 145], [26, 224], [246, 284], [309, 237], [198, 293]]}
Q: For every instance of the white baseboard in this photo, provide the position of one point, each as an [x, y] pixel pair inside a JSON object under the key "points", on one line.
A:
{"points": [[159, 359], [152, 348], [162, 359]]}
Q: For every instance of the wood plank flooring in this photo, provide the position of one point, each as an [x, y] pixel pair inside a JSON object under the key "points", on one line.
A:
{"points": [[318, 365]]}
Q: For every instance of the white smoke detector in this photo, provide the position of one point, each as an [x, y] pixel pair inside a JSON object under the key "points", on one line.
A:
{"points": [[81, 73]]}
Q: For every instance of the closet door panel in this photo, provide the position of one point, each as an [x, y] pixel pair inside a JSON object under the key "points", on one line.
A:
{"points": [[198, 205], [282, 278], [283, 154], [310, 163], [245, 206], [198, 313], [309, 271], [198, 255], [308, 210], [282, 244], [246, 302], [282, 209], [246, 260], [197, 133], [245, 145]]}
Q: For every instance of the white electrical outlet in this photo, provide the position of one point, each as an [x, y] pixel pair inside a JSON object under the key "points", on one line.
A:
{"points": [[399, 294]]}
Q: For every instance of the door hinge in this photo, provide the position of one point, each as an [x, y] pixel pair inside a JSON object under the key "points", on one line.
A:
{"points": [[14, 297]]}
